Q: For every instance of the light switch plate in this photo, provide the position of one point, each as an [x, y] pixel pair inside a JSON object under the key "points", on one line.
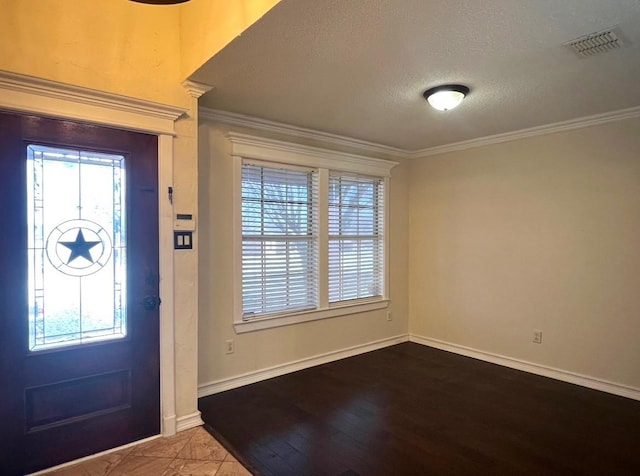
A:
{"points": [[182, 240]]}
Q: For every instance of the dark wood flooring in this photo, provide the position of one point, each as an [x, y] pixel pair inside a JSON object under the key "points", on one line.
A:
{"points": [[414, 410]]}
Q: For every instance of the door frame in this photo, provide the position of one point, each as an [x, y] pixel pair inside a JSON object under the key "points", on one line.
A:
{"points": [[30, 95]]}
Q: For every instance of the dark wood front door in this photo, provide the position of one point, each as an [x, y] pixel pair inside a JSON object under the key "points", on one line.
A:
{"points": [[79, 319]]}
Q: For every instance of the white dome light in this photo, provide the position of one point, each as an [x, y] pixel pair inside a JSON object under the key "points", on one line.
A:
{"points": [[446, 97]]}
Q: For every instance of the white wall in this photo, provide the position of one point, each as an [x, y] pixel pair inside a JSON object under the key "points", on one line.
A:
{"points": [[267, 348], [540, 233]]}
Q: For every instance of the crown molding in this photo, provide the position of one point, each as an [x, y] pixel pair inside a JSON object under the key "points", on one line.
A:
{"points": [[569, 125], [229, 118], [252, 147], [196, 89], [50, 98], [265, 125]]}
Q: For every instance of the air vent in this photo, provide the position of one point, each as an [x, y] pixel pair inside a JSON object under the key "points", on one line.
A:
{"points": [[597, 43]]}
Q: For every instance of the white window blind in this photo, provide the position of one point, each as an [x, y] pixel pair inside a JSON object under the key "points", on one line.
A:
{"points": [[279, 239], [356, 237]]}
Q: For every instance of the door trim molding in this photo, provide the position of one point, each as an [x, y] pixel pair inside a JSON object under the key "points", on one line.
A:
{"points": [[53, 99], [29, 95], [167, 327]]}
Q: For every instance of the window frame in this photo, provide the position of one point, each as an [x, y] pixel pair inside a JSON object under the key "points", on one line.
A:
{"points": [[378, 208], [257, 149], [311, 237]]}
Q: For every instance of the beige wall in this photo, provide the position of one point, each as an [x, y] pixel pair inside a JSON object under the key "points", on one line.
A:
{"points": [[109, 45], [231, 17], [541, 233], [120, 46], [267, 348]]}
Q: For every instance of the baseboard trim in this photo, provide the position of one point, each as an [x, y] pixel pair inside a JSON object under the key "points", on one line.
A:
{"points": [[543, 370], [189, 421], [278, 370]]}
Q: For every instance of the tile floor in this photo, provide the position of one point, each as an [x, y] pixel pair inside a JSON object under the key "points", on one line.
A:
{"points": [[189, 453]]}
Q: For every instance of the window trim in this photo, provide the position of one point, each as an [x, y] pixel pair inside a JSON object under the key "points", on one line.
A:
{"points": [[251, 148]]}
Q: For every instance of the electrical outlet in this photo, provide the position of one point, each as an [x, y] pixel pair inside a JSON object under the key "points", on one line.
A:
{"points": [[537, 337], [229, 347], [389, 316]]}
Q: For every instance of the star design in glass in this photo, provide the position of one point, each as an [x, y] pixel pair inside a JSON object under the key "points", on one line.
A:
{"points": [[80, 248]]}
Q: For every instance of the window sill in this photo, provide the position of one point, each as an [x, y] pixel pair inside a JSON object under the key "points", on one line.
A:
{"points": [[288, 319]]}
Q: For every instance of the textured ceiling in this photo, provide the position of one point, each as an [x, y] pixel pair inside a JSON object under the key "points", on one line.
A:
{"points": [[358, 67]]}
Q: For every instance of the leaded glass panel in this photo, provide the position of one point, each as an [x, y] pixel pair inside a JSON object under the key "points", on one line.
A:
{"points": [[77, 247]]}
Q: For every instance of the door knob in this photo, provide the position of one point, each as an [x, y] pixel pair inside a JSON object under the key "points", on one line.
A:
{"points": [[151, 303]]}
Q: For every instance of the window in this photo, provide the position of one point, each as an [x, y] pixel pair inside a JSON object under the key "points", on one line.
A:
{"points": [[310, 233], [77, 247], [356, 245], [279, 240]]}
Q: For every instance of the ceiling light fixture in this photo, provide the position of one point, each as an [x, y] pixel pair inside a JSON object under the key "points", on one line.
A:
{"points": [[160, 2], [446, 97]]}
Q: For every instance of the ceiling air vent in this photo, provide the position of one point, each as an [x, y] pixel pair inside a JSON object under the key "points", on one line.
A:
{"points": [[597, 43]]}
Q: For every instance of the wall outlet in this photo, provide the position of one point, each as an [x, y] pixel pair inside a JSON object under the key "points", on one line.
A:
{"points": [[537, 337], [229, 347], [389, 316]]}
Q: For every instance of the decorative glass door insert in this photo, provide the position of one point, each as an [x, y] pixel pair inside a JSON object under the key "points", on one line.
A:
{"points": [[77, 247]]}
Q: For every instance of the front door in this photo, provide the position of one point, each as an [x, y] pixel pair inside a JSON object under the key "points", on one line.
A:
{"points": [[79, 320]]}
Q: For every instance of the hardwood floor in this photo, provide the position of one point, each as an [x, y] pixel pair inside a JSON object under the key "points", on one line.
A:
{"points": [[414, 410]]}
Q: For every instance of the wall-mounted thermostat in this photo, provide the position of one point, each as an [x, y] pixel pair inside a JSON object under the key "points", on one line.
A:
{"points": [[184, 221]]}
